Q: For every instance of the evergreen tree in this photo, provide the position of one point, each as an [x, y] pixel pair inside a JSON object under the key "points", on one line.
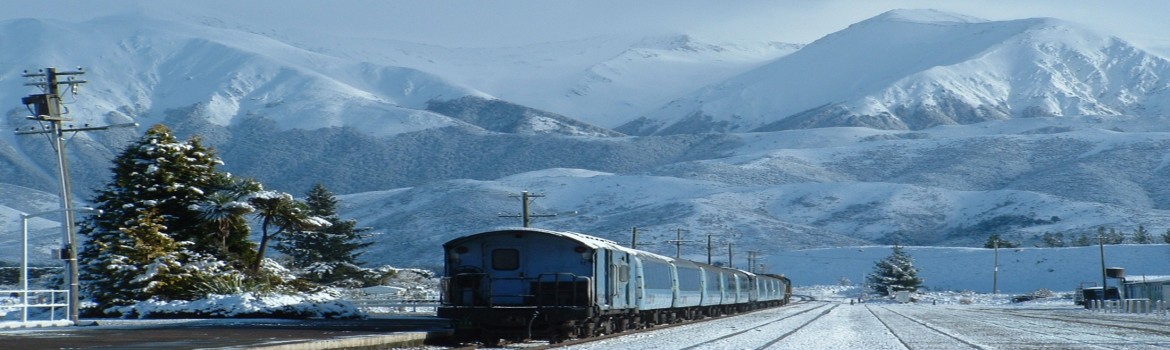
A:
{"points": [[338, 244], [1114, 236], [1141, 236], [1083, 240], [1053, 240], [894, 273], [149, 226], [1166, 236], [1003, 243]]}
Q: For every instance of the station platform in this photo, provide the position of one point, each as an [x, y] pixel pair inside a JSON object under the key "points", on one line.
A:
{"points": [[272, 334]]}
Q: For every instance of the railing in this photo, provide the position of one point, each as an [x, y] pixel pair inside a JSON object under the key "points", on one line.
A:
{"points": [[1131, 306], [34, 299], [395, 305], [549, 289]]}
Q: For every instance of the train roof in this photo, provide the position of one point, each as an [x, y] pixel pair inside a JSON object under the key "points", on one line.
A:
{"points": [[592, 242]]}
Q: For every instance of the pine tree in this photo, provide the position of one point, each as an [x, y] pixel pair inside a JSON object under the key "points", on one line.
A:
{"points": [[1114, 237], [1166, 236], [894, 273], [330, 254], [341, 242], [1141, 236], [150, 224], [1083, 240], [1053, 240], [994, 241]]}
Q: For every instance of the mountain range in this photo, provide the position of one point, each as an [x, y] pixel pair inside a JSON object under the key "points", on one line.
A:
{"points": [[914, 127]]}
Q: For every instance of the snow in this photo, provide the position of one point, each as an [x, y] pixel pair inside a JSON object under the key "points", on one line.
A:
{"points": [[910, 58], [318, 305]]}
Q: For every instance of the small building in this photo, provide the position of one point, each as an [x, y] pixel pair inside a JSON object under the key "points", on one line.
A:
{"points": [[1154, 288]]}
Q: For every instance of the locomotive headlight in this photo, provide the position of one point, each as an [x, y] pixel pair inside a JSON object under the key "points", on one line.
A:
{"points": [[454, 254], [586, 254]]}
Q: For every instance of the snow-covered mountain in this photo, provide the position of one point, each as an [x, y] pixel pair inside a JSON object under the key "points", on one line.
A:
{"points": [[428, 142], [605, 81], [914, 69]]}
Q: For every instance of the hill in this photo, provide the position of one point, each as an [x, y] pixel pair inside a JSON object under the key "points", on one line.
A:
{"points": [[923, 128]]}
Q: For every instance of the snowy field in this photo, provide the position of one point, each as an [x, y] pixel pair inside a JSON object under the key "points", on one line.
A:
{"points": [[936, 321]]}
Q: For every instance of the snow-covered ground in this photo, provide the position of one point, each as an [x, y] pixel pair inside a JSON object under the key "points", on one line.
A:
{"points": [[958, 269], [935, 321]]}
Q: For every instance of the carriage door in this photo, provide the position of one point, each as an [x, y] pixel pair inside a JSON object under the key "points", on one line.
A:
{"points": [[620, 282], [505, 266]]}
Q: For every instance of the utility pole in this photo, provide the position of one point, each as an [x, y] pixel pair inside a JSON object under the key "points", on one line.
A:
{"points": [[526, 199], [730, 257], [709, 247], [995, 270], [678, 244], [47, 108], [1104, 282], [752, 260], [634, 242]]}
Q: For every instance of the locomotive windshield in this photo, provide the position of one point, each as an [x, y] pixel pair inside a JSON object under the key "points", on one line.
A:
{"points": [[505, 259]]}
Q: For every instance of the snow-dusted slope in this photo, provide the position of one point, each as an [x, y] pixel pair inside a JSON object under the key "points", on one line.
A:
{"points": [[604, 80], [271, 106], [816, 188], [141, 68], [913, 69]]}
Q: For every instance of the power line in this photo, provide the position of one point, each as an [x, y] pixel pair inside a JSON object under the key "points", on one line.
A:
{"points": [[526, 199]]}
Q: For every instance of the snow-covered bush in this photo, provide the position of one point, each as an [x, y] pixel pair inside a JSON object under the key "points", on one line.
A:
{"points": [[246, 305]]}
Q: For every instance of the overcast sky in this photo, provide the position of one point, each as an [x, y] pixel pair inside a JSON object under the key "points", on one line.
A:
{"points": [[517, 22]]}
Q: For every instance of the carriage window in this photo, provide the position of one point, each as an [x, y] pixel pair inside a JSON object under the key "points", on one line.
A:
{"points": [[505, 259]]}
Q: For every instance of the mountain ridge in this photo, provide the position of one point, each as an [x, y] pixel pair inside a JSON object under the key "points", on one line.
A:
{"points": [[934, 153], [959, 73]]}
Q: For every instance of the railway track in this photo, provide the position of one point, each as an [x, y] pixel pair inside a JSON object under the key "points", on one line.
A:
{"points": [[809, 325], [897, 331], [541, 345]]}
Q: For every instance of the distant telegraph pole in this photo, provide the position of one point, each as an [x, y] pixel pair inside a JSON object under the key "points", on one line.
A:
{"points": [[47, 110], [526, 199], [678, 244], [709, 247]]}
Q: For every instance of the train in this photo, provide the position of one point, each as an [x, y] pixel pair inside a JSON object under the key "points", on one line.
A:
{"points": [[516, 284]]}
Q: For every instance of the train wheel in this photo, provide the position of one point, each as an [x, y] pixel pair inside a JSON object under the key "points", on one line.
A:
{"points": [[491, 342], [623, 324]]}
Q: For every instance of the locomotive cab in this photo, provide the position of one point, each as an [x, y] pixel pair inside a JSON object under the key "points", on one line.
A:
{"points": [[515, 268], [531, 283]]}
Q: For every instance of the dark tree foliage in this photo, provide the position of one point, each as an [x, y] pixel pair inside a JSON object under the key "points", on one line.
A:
{"points": [[1142, 236], [1053, 239], [339, 244], [280, 213], [1083, 240], [1003, 243], [150, 240], [1111, 236], [894, 273]]}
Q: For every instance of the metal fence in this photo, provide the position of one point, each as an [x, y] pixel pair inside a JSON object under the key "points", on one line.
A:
{"points": [[395, 305], [36, 299]]}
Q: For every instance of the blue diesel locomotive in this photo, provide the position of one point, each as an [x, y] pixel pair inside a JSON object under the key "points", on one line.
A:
{"points": [[526, 283]]}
